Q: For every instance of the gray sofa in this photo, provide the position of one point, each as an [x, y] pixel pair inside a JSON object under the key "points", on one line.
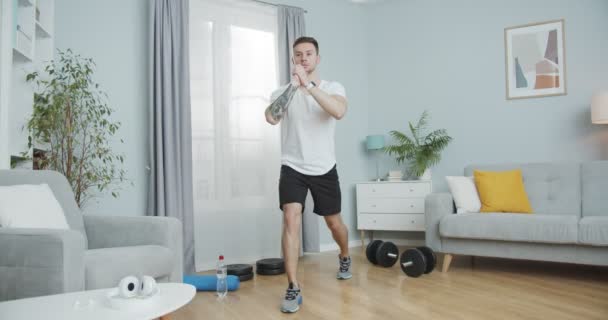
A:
{"points": [[96, 252], [569, 223]]}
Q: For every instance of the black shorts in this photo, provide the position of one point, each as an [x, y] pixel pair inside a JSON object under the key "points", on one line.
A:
{"points": [[325, 190]]}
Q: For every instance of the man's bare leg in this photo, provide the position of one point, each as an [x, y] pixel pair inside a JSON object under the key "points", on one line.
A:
{"points": [[291, 239], [339, 232], [292, 213]]}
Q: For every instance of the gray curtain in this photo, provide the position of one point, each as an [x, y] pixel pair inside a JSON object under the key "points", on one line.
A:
{"points": [[170, 185], [291, 27]]}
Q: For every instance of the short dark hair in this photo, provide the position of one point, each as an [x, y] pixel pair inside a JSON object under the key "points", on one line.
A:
{"points": [[307, 40]]}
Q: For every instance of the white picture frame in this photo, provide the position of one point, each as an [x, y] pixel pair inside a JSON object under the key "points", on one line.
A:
{"points": [[535, 60]]}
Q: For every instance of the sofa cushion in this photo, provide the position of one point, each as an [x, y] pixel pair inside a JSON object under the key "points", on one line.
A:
{"points": [[594, 184], [105, 267], [502, 191], [552, 188], [594, 231], [465, 194], [17, 210], [511, 227]]}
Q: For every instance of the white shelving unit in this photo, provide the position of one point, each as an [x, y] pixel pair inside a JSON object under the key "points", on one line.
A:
{"points": [[41, 32], [28, 27], [23, 36]]}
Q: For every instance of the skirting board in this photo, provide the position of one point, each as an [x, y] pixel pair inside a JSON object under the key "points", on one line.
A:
{"points": [[211, 265], [357, 243], [208, 266]]}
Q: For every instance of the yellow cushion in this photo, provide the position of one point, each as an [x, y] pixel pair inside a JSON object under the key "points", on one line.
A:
{"points": [[502, 191]]}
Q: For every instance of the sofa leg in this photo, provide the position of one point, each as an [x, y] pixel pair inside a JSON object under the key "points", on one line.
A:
{"points": [[447, 259]]}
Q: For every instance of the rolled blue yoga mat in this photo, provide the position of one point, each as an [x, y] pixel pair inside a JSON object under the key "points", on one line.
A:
{"points": [[208, 282]]}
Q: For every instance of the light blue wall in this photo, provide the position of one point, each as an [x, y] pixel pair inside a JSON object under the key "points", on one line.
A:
{"points": [[341, 29], [115, 34], [448, 57]]}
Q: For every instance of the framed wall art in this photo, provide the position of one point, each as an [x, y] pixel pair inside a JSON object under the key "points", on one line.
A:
{"points": [[535, 60]]}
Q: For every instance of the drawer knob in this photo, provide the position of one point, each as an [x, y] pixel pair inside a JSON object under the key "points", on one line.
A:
{"points": [[373, 205], [373, 190], [411, 205], [411, 190]]}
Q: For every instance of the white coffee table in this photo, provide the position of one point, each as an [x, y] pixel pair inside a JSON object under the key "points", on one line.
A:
{"points": [[94, 304]]}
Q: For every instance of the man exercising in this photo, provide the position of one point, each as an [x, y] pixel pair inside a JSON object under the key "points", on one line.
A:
{"points": [[308, 160]]}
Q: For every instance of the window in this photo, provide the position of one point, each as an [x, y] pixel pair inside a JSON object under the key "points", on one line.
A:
{"points": [[233, 72]]}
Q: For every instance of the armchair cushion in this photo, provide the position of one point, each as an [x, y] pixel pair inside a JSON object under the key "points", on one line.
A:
{"points": [[35, 262], [105, 267], [126, 231]]}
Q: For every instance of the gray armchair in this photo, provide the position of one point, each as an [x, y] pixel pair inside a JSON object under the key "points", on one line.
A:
{"points": [[95, 253]]}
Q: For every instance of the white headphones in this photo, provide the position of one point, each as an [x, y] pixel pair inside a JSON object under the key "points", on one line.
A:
{"points": [[132, 286], [148, 286]]}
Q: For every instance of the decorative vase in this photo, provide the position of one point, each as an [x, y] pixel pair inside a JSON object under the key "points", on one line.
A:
{"points": [[426, 175]]}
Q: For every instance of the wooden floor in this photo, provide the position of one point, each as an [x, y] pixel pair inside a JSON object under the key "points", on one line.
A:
{"points": [[483, 288]]}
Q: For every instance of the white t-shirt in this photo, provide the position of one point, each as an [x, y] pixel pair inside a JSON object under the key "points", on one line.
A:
{"points": [[307, 131]]}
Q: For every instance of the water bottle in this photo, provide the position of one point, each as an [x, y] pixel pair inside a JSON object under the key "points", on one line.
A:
{"points": [[222, 286]]}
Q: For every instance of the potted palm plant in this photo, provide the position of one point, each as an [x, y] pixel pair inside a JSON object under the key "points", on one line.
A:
{"points": [[419, 150]]}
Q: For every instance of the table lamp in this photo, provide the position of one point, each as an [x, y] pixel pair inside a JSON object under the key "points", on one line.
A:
{"points": [[374, 143], [599, 108]]}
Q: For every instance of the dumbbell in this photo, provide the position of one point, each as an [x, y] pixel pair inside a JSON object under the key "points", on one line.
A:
{"points": [[382, 253], [418, 261]]}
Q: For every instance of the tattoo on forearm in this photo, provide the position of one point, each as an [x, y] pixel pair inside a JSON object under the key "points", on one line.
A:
{"points": [[278, 107]]}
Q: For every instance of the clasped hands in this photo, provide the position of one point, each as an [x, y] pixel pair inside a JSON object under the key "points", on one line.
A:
{"points": [[299, 76]]}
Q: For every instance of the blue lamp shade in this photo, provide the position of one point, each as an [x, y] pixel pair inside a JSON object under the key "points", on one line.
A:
{"points": [[375, 142]]}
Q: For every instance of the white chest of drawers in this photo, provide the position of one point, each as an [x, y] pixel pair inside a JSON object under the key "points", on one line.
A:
{"points": [[394, 206]]}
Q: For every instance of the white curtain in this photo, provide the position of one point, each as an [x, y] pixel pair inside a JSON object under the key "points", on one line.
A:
{"points": [[236, 154]]}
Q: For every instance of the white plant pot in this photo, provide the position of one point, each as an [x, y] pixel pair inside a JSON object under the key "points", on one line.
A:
{"points": [[426, 175]]}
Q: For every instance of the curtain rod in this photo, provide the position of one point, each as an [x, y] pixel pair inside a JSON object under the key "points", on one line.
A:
{"points": [[276, 5]]}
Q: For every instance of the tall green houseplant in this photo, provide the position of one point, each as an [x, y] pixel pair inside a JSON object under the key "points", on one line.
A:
{"points": [[419, 150], [71, 121]]}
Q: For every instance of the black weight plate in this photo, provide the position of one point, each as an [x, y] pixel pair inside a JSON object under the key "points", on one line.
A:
{"points": [[270, 272], [371, 250], [271, 263], [245, 277], [419, 263], [431, 258], [239, 269], [382, 254]]}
